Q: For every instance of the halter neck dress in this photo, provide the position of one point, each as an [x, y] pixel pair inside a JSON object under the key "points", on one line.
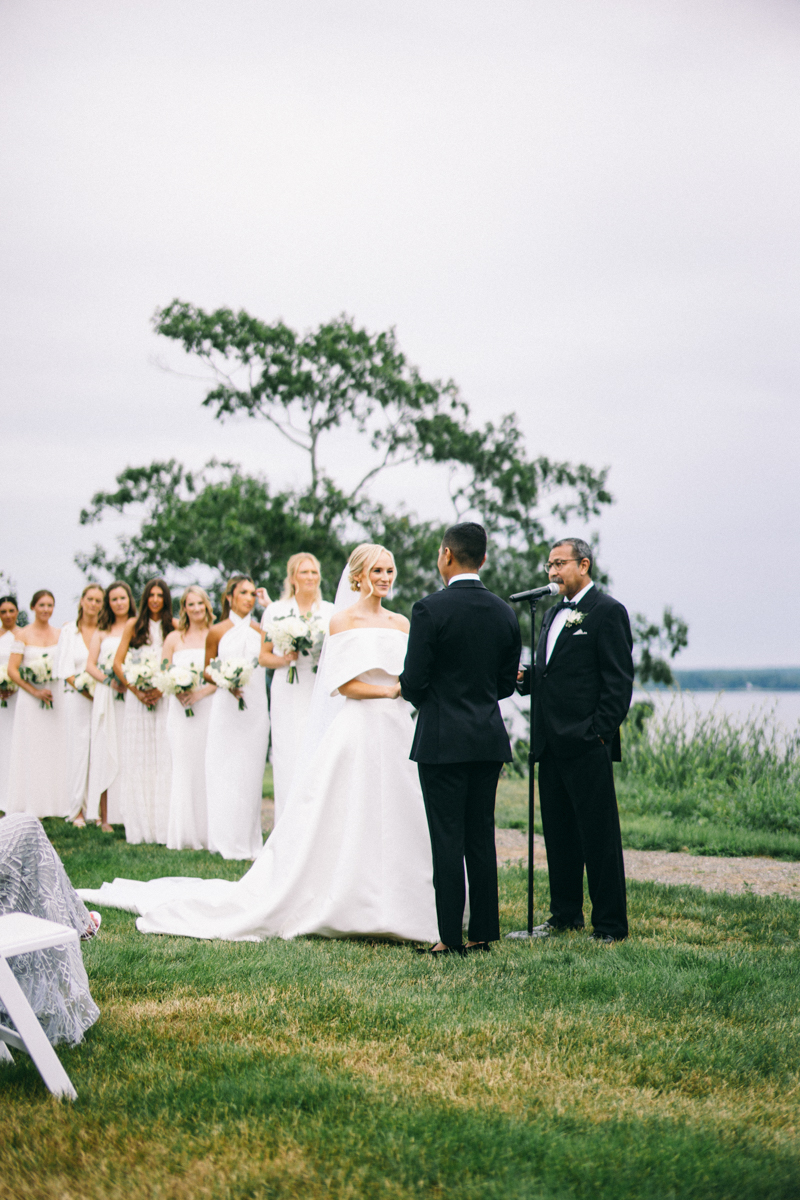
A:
{"points": [[236, 752]]}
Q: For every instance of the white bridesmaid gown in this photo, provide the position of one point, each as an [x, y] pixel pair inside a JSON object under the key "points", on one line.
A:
{"points": [[352, 854], [188, 806], [289, 705], [7, 640], [36, 764], [146, 764], [105, 759], [72, 653], [236, 752]]}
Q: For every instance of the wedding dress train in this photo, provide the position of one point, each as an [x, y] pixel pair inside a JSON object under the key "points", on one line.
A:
{"points": [[351, 856]]}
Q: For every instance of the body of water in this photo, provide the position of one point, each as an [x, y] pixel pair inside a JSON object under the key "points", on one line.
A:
{"points": [[738, 705]]}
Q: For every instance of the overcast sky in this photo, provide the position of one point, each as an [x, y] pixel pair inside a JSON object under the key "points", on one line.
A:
{"points": [[584, 212]]}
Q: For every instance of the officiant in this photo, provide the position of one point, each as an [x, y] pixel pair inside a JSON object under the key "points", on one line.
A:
{"points": [[584, 683]]}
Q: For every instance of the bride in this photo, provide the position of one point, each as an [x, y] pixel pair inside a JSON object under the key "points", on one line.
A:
{"points": [[351, 856]]}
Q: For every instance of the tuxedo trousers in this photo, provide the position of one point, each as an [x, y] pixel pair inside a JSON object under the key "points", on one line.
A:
{"points": [[580, 820], [459, 802]]}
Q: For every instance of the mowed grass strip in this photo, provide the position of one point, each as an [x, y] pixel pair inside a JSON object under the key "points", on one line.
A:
{"points": [[667, 1066], [645, 827]]}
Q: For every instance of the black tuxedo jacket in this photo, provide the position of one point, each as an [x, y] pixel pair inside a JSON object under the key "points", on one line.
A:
{"points": [[463, 656], [584, 692]]}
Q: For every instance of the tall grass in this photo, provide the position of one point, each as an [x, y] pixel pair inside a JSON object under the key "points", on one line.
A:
{"points": [[702, 767]]}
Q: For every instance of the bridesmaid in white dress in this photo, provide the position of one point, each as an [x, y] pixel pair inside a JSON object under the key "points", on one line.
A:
{"points": [[352, 854], [108, 709], [186, 647], [9, 611], [289, 702], [73, 652], [147, 763], [36, 763], [237, 740]]}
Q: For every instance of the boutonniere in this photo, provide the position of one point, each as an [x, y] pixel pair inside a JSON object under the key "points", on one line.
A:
{"points": [[574, 619]]}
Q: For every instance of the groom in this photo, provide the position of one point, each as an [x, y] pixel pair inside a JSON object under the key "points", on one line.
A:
{"points": [[463, 655]]}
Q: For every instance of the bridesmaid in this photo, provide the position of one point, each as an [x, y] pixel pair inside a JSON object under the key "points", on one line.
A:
{"points": [[289, 702], [73, 652], [36, 763], [237, 740], [108, 709], [186, 647], [9, 611], [147, 767]]}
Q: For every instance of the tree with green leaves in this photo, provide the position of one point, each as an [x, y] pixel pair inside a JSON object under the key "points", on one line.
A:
{"points": [[307, 388], [653, 641]]}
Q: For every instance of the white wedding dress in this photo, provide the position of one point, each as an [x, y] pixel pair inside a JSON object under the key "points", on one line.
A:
{"points": [[105, 758], [289, 704], [188, 806], [71, 655], [38, 746], [236, 752], [147, 764], [351, 856], [7, 640]]}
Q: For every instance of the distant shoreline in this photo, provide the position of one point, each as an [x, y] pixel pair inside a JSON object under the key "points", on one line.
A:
{"points": [[744, 679]]}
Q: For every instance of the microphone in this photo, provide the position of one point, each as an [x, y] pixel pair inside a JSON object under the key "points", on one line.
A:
{"points": [[549, 589]]}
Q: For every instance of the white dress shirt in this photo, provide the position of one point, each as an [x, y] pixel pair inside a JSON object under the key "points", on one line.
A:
{"points": [[468, 575], [560, 620]]}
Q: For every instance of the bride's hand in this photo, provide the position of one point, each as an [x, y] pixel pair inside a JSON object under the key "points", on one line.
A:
{"points": [[262, 596], [394, 692], [290, 657]]}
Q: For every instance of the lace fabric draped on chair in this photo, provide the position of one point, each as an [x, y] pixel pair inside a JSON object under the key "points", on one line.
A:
{"points": [[54, 981]]}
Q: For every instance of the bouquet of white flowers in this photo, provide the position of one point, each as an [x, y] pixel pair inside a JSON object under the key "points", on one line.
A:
{"points": [[173, 679], [232, 674], [140, 668], [6, 685], [85, 683], [39, 672], [303, 634], [105, 663]]}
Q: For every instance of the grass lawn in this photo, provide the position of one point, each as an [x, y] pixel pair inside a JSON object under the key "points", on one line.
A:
{"points": [[663, 1067], [652, 831]]}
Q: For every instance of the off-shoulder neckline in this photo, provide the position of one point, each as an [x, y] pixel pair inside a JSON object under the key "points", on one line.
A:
{"points": [[369, 629]]}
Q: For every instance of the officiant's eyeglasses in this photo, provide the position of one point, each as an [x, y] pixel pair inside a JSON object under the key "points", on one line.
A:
{"points": [[558, 563]]}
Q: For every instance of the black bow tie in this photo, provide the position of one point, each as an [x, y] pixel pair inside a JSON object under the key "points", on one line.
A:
{"points": [[570, 604]]}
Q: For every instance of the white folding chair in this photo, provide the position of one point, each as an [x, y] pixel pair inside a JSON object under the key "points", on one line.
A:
{"points": [[19, 934]]}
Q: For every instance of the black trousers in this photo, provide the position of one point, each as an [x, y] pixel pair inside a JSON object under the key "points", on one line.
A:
{"points": [[580, 819], [459, 801]]}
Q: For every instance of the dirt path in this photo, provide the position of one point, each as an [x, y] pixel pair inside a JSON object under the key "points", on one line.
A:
{"points": [[758, 876]]}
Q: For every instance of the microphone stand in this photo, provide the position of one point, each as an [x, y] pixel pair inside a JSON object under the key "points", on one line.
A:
{"points": [[532, 601]]}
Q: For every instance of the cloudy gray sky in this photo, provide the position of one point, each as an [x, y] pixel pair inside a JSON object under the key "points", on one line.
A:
{"points": [[583, 212]]}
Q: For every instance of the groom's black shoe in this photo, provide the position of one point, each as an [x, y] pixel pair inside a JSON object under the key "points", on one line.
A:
{"points": [[459, 950], [477, 948]]}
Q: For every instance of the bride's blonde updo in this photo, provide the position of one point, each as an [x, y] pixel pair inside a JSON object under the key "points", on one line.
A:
{"points": [[363, 559]]}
